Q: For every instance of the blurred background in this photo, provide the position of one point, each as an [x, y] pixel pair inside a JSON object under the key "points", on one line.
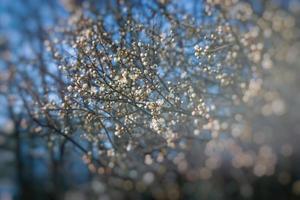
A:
{"points": [[31, 163]]}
